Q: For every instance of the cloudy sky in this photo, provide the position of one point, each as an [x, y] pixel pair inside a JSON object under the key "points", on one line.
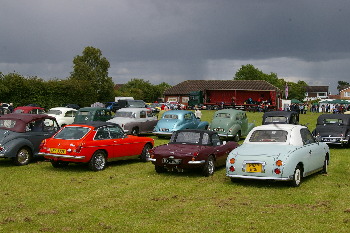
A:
{"points": [[176, 40]]}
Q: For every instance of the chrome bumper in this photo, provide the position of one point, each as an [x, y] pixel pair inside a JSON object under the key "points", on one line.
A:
{"points": [[260, 177], [63, 156]]}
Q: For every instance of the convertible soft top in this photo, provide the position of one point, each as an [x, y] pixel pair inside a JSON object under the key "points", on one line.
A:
{"points": [[21, 120]]}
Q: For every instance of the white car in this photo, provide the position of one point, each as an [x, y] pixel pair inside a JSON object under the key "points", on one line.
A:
{"points": [[64, 116], [282, 152], [135, 120]]}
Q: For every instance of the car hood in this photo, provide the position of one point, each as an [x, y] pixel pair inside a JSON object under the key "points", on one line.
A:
{"points": [[269, 149], [177, 149], [122, 120]]}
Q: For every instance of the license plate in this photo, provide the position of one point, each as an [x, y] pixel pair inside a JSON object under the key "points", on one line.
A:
{"points": [[253, 167], [164, 129], [219, 129], [57, 151], [171, 161], [329, 139]]}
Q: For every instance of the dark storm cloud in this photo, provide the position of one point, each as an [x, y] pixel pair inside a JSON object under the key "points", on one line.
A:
{"points": [[160, 38]]}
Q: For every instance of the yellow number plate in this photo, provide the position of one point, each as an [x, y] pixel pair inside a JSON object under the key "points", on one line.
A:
{"points": [[57, 151], [253, 167]]}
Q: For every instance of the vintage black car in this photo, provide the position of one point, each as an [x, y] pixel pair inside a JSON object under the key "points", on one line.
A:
{"points": [[21, 135], [333, 128], [280, 117]]}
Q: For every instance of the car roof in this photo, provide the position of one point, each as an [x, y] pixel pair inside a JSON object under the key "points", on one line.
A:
{"points": [[279, 113], [229, 111], [95, 124], [177, 112], [132, 109], [22, 119], [286, 127], [28, 107], [63, 108], [92, 109]]}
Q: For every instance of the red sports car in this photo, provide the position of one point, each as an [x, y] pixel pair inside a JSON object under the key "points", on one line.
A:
{"points": [[94, 143], [192, 148]]}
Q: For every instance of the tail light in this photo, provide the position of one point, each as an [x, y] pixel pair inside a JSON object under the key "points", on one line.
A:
{"points": [[232, 169], [195, 154], [78, 148], [279, 163], [232, 161], [277, 171], [41, 146]]}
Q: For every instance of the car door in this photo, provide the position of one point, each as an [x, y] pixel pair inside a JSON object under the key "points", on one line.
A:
{"points": [[69, 116], [314, 152], [40, 129], [103, 140], [190, 121], [220, 150], [151, 121]]}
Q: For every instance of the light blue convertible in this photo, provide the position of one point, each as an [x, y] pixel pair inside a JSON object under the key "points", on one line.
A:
{"points": [[178, 119], [282, 152]]}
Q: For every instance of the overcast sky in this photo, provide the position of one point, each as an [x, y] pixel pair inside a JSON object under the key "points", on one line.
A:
{"points": [[177, 40]]}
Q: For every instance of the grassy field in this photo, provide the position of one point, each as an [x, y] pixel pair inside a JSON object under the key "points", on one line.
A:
{"points": [[129, 196]]}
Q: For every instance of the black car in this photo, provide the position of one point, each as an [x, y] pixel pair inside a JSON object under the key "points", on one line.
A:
{"points": [[21, 135], [280, 117], [333, 128]]}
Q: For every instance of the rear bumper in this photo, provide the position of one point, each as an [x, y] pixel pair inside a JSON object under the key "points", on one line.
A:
{"points": [[77, 157], [260, 177]]}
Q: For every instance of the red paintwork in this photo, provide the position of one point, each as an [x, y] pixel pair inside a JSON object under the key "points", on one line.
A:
{"points": [[120, 148], [27, 109]]}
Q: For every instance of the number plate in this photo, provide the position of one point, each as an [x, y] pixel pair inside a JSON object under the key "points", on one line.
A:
{"points": [[57, 151], [253, 167], [171, 161], [219, 129]]}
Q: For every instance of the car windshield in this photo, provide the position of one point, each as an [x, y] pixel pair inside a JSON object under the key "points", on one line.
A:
{"points": [[54, 112], [19, 111], [72, 133], [8, 124], [276, 119], [333, 121], [170, 116], [136, 104], [269, 136], [187, 137], [223, 115], [124, 114]]}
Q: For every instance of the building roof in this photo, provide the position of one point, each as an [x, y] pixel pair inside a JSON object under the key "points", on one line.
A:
{"points": [[188, 86], [316, 89]]}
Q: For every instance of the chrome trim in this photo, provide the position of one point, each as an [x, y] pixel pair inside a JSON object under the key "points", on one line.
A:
{"points": [[226, 135], [63, 156], [260, 177], [151, 160], [196, 162]]}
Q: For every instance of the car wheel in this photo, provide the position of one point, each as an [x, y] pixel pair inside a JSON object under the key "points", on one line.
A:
{"points": [[145, 155], [296, 181], [59, 164], [98, 161], [325, 166], [237, 137], [135, 131], [23, 157], [159, 169], [209, 167]]}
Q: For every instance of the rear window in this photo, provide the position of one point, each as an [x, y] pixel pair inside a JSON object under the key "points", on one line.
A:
{"points": [[186, 137], [269, 136], [54, 112], [333, 121], [223, 115], [9, 124], [276, 119], [170, 116], [124, 114], [72, 133]]}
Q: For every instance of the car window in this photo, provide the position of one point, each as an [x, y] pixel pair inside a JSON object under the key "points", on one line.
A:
{"points": [[72, 133], [149, 114], [116, 132], [333, 121], [276, 119], [123, 114], [223, 115], [70, 114], [215, 139], [269, 136], [142, 114], [102, 133], [35, 126], [8, 124], [188, 116], [186, 137], [40, 111], [306, 136], [170, 116], [54, 112], [50, 125]]}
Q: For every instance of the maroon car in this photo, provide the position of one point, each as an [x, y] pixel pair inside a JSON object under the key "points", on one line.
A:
{"points": [[192, 149]]}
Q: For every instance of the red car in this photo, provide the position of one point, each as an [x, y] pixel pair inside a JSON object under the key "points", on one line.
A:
{"points": [[95, 143], [191, 149], [29, 110]]}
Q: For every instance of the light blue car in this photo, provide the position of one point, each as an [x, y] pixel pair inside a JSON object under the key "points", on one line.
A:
{"points": [[178, 119], [281, 152]]}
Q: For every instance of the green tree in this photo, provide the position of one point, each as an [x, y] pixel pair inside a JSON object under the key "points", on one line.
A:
{"points": [[92, 68], [342, 85]]}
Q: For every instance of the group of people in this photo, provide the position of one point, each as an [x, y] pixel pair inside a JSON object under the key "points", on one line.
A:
{"points": [[303, 108]]}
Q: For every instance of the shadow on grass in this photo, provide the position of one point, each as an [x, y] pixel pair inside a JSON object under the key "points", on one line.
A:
{"points": [[190, 173]]}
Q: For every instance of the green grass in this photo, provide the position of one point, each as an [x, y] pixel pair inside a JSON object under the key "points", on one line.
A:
{"points": [[130, 197]]}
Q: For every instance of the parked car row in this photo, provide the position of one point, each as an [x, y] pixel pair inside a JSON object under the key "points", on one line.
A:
{"points": [[280, 149]]}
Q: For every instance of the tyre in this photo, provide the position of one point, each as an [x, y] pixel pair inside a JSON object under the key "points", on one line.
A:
{"points": [[325, 166], [237, 137], [145, 153], [23, 156], [98, 161], [59, 164], [297, 176], [159, 169], [135, 131], [209, 167]]}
